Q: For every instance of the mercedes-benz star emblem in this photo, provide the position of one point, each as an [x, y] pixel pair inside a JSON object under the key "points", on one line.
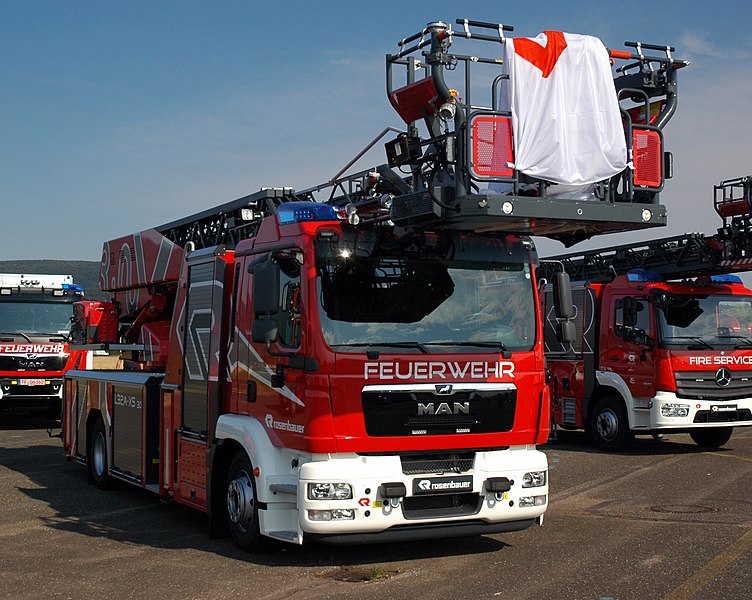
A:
{"points": [[722, 377]]}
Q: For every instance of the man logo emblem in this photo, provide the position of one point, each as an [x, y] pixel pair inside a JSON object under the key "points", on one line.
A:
{"points": [[723, 377], [444, 389]]}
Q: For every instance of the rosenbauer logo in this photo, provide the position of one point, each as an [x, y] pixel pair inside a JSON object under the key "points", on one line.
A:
{"points": [[32, 348], [271, 423], [442, 485], [431, 370]]}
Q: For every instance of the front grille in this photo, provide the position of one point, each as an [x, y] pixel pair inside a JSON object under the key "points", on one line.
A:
{"points": [[440, 505], [701, 385], [420, 410], [30, 365], [431, 463], [708, 416]]}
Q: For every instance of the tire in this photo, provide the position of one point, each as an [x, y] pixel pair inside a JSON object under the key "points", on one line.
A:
{"points": [[712, 437], [99, 467], [609, 425], [241, 506]]}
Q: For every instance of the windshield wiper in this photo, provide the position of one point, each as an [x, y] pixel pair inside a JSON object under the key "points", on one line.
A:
{"points": [[700, 342], [747, 342], [57, 335], [28, 339], [498, 345], [416, 345]]}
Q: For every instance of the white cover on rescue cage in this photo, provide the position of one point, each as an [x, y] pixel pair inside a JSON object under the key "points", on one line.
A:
{"points": [[566, 122]]}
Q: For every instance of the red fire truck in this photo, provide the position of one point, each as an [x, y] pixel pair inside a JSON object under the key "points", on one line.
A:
{"points": [[333, 364], [35, 323], [663, 334]]}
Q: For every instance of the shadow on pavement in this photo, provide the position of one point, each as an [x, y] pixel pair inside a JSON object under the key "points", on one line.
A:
{"points": [[134, 516]]}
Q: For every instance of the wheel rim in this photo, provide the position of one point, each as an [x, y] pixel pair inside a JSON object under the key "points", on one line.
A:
{"points": [[240, 501], [607, 424], [99, 454]]}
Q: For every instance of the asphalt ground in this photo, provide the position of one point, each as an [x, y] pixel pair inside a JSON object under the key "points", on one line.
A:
{"points": [[664, 520]]}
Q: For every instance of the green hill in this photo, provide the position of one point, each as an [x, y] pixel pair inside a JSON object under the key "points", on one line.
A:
{"points": [[85, 273]]}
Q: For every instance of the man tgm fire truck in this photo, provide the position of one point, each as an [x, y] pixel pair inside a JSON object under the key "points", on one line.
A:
{"points": [[360, 361], [664, 334], [35, 323]]}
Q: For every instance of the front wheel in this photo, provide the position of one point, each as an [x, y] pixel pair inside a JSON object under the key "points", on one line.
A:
{"points": [[711, 438], [242, 505], [609, 424]]}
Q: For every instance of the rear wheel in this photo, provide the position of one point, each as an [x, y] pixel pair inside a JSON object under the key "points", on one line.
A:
{"points": [[99, 468], [609, 425], [242, 505], [711, 438]]}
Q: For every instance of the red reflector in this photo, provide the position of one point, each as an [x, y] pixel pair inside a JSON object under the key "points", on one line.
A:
{"points": [[647, 156], [414, 100], [492, 146]]}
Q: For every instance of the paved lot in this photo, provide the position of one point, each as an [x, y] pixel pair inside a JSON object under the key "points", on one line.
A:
{"points": [[665, 520]]}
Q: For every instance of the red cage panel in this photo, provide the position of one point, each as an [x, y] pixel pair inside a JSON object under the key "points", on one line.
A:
{"points": [[492, 146], [647, 156]]}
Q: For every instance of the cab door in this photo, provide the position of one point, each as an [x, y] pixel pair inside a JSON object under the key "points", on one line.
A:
{"points": [[629, 348]]}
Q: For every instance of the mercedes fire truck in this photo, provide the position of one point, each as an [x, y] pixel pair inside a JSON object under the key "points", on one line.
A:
{"points": [[334, 364], [663, 334], [35, 324]]}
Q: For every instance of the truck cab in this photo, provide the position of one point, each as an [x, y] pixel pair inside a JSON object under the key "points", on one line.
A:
{"points": [[35, 326], [656, 357]]}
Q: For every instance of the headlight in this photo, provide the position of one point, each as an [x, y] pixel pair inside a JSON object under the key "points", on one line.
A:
{"points": [[670, 409], [534, 479], [329, 491]]}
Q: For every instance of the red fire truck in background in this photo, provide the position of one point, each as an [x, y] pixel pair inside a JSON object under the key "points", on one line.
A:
{"points": [[333, 364], [663, 334], [35, 324]]}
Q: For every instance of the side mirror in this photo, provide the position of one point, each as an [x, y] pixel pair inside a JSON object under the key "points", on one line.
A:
{"points": [[562, 296], [264, 331], [266, 288], [565, 332], [630, 311]]}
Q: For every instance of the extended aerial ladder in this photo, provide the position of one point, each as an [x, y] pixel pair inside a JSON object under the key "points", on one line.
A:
{"points": [[688, 255]]}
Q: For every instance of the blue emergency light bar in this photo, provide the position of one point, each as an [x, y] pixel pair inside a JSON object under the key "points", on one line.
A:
{"points": [[299, 212], [726, 278], [643, 275]]}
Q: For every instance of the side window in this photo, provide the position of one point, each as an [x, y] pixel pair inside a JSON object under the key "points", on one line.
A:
{"points": [[290, 309], [632, 320]]}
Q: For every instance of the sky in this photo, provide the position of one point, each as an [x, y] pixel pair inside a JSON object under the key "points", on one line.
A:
{"points": [[120, 116]]}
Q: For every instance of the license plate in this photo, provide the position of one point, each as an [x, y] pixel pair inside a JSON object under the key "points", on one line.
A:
{"points": [[31, 382], [442, 485]]}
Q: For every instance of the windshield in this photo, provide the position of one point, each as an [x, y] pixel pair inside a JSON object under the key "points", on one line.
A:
{"points": [[705, 321], [35, 318], [473, 291]]}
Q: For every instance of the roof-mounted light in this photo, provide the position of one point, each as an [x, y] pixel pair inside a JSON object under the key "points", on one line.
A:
{"points": [[298, 212], [726, 278], [644, 276]]}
